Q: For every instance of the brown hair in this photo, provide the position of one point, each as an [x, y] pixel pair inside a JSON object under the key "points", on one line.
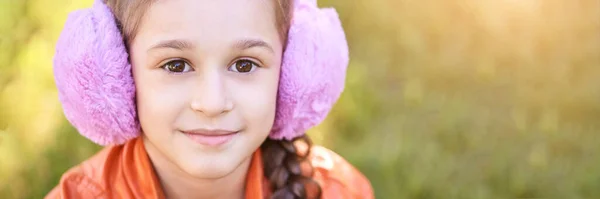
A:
{"points": [[283, 162]]}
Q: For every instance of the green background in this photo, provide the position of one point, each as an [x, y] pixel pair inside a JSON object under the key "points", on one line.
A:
{"points": [[443, 99]]}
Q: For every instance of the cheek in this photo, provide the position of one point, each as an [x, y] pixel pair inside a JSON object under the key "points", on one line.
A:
{"points": [[255, 100], [158, 101]]}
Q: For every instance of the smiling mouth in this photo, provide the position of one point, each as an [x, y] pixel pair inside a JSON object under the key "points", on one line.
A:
{"points": [[210, 137]]}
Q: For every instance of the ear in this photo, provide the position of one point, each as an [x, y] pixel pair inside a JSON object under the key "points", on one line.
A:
{"points": [[93, 77], [313, 70]]}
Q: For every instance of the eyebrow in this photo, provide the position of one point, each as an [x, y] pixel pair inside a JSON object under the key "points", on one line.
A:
{"points": [[176, 44], [251, 43], [186, 45]]}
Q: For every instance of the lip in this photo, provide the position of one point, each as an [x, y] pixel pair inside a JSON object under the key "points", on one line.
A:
{"points": [[210, 137]]}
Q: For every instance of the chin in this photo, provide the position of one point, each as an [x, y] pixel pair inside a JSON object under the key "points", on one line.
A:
{"points": [[210, 163], [210, 168]]}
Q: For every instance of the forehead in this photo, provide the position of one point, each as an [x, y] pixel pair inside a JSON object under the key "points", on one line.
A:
{"points": [[209, 21]]}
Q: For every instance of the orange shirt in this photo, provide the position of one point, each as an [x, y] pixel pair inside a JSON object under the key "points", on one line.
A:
{"points": [[117, 172]]}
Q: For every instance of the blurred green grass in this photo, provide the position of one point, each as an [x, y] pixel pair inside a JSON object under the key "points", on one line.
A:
{"points": [[444, 99]]}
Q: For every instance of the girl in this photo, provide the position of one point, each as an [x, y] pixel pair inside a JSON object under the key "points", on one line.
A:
{"points": [[203, 99]]}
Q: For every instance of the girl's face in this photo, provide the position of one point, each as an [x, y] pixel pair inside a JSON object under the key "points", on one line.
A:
{"points": [[206, 75]]}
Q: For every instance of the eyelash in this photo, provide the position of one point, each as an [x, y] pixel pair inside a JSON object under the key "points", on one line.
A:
{"points": [[254, 65], [164, 66], [186, 65]]}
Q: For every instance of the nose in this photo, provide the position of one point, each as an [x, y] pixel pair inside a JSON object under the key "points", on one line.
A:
{"points": [[210, 97]]}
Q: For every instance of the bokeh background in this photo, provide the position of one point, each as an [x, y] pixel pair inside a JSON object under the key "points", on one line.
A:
{"points": [[444, 98]]}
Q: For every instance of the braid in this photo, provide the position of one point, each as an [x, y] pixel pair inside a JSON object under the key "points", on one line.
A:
{"points": [[283, 167]]}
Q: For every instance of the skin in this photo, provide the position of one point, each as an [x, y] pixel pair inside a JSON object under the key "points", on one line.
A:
{"points": [[204, 65]]}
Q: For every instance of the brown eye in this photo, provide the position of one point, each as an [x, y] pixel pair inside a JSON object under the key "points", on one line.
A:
{"points": [[243, 66], [177, 66]]}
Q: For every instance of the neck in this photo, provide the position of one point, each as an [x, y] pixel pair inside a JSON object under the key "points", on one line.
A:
{"points": [[177, 183]]}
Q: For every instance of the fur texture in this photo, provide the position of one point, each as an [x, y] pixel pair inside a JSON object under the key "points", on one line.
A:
{"points": [[313, 70], [93, 77]]}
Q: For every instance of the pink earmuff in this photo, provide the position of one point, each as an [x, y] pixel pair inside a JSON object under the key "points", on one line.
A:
{"points": [[97, 91]]}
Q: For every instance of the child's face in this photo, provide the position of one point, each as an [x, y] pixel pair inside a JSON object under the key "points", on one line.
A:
{"points": [[203, 65]]}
